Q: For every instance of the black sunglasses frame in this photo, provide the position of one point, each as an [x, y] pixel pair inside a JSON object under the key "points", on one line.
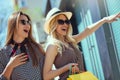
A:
{"points": [[24, 22], [61, 22]]}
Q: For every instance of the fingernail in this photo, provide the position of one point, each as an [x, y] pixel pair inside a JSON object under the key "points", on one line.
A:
{"points": [[26, 55]]}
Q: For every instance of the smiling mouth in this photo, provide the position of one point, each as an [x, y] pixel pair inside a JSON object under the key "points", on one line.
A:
{"points": [[63, 29], [26, 31]]}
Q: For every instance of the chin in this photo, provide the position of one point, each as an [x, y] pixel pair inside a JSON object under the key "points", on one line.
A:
{"points": [[26, 36], [64, 34]]}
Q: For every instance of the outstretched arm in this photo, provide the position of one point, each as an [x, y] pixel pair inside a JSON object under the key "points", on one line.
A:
{"points": [[92, 28]]}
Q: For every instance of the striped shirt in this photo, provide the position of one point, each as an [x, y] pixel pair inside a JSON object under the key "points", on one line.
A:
{"points": [[22, 72]]}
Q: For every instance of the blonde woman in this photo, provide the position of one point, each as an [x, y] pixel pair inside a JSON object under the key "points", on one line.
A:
{"points": [[61, 48], [21, 58]]}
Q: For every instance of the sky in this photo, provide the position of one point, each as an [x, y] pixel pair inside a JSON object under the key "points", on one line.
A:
{"points": [[5, 11], [4, 4]]}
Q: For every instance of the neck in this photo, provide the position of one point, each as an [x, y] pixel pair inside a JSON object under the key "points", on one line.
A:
{"points": [[61, 38], [18, 39]]}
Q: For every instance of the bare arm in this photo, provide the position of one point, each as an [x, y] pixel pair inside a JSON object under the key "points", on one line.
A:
{"points": [[48, 73], [7, 72], [92, 28]]}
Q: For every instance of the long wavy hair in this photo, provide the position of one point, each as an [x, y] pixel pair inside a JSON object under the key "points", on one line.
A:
{"points": [[54, 38], [32, 44]]}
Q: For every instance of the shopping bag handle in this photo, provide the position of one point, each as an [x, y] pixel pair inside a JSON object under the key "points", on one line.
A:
{"points": [[70, 70]]}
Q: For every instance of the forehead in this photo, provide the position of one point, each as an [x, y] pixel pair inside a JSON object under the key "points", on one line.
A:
{"points": [[62, 16], [23, 17]]}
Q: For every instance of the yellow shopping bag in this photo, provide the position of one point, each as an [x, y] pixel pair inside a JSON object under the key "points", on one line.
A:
{"points": [[82, 76]]}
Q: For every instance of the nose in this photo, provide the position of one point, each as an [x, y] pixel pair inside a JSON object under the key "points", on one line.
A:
{"points": [[27, 26], [27, 23], [65, 24]]}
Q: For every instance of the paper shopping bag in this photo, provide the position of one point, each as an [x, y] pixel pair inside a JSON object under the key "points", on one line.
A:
{"points": [[82, 76]]}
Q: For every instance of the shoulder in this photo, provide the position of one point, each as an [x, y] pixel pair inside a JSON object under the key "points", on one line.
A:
{"points": [[5, 49], [5, 52], [50, 44], [52, 49]]}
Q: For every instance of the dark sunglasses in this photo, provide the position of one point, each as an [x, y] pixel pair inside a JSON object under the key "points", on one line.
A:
{"points": [[24, 22], [60, 21]]}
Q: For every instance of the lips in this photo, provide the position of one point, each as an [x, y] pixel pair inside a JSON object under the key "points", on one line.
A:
{"points": [[64, 29], [26, 31]]}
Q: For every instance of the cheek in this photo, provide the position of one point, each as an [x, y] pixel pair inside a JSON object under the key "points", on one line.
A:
{"points": [[58, 29], [20, 30], [17, 32], [29, 28]]}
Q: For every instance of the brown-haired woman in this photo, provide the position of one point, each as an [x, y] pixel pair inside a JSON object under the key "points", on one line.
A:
{"points": [[21, 58]]}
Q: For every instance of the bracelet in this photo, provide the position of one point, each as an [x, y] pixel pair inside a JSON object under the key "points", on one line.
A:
{"points": [[70, 67]]}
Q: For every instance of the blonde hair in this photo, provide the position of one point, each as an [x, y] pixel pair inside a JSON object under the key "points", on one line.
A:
{"points": [[53, 37]]}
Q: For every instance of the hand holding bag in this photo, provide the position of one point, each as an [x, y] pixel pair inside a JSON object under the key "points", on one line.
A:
{"points": [[82, 76]]}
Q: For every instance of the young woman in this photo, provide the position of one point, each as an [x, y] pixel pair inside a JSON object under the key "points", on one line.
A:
{"points": [[62, 50], [21, 58]]}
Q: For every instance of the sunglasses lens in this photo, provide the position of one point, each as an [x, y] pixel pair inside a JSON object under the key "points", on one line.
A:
{"points": [[24, 22], [67, 21], [62, 21]]}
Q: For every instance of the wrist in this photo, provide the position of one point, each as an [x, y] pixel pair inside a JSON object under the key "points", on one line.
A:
{"points": [[71, 66], [105, 19], [7, 72], [10, 67], [3, 77]]}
